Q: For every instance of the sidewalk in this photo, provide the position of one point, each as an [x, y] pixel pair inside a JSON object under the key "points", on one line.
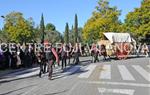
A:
{"points": [[10, 75]]}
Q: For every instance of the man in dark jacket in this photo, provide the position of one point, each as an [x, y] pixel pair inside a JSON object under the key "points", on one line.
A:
{"points": [[63, 54], [51, 56]]}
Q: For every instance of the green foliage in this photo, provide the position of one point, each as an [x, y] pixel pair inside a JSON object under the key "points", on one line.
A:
{"points": [[17, 28], [72, 35], [42, 28], [50, 26], [66, 34], [76, 29], [53, 36], [37, 32], [138, 21], [3, 36], [104, 19]]}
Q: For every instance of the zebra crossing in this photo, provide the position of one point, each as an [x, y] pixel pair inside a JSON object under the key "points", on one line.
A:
{"points": [[125, 73], [106, 72], [142, 72], [89, 70]]}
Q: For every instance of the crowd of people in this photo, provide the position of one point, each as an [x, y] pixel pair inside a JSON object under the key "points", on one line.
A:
{"points": [[46, 56], [17, 56]]}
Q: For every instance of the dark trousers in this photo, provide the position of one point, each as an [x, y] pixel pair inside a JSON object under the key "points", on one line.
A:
{"points": [[42, 68], [76, 59], [50, 68], [96, 58], [69, 59], [64, 62]]}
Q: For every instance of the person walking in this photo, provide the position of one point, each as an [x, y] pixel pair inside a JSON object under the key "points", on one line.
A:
{"points": [[42, 61], [77, 51], [145, 50], [63, 54], [95, 53], [103, 51], [51, 56]]}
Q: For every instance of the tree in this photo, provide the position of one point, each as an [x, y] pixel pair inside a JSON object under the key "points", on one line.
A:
{"points": [[42, 28], [3, 36], [76, 29], [17, 28], [50, 26], [104, 19], [66, 34], [53, 36], [37, 32], [71, 35], [80, 29], [138, 21]]}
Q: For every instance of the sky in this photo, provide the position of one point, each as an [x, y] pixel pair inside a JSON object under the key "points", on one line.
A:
{"points": [[58, 12]]}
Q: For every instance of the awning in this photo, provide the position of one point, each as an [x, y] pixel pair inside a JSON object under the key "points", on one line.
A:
{"points": [[118, 37]]}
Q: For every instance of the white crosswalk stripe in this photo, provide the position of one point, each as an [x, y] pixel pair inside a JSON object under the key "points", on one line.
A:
{"points": [[142, 72], [125, 74], [88, 71], [106, 72]]}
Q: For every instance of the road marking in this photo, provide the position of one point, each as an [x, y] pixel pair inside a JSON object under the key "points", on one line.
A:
{"points": [[142, 72], [117, 91], [120, 84], [125, 74], [106, 72], [88, 71]]}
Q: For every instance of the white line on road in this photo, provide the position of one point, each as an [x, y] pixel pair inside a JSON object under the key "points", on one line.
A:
{"points": [[88, 71], [120, 84], [142, 72], [106, 72], [117, 91], [125, 74]]}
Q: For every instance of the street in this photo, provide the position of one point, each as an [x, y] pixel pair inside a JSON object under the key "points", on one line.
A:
{"points": [[114, 77]]}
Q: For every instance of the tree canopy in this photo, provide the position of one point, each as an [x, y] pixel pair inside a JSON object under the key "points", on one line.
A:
{"points": [[66, 34], [18, 28], [138, 21], [42, 28], [104, 19], [50, 26], [76, 29]]}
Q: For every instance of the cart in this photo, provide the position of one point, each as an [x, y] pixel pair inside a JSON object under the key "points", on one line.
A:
{"points": [[121, 43]]}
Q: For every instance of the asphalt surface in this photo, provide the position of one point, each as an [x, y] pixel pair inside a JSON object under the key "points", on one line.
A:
{"points": [[113, 77]]}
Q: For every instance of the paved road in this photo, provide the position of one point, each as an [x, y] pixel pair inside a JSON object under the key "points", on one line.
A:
{"points": [[115, 77]]}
